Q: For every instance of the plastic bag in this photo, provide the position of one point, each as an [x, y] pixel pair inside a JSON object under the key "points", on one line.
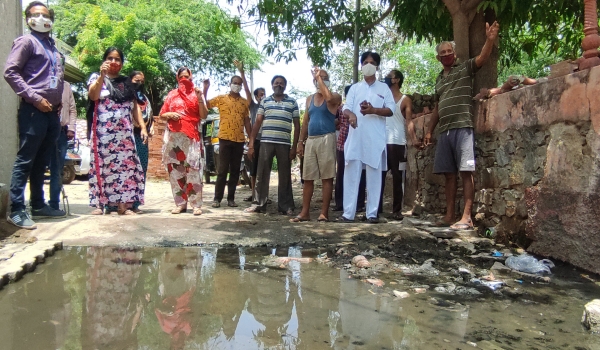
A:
{"points": [[529, 264]]}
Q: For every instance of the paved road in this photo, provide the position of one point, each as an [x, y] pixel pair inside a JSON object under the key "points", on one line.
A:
{"points": [[157, 226]]}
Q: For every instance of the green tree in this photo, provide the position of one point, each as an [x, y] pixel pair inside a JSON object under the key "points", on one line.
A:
{"points": [[529, 25], [156, 37]]}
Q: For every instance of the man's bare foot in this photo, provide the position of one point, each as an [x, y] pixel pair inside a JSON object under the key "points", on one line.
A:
{"points": [[323, 218], [462, 225]]}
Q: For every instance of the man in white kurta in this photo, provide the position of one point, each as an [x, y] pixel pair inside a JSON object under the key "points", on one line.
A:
{"points": [[368, 104]]}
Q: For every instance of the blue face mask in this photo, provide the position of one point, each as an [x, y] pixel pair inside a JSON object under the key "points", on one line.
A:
{"points": [[388, 81]]}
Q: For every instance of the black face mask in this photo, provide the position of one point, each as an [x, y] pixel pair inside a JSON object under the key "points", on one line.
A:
{"points": [[388, 81]]}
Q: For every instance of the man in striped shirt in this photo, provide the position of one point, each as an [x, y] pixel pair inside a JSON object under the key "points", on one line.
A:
{"points": [[276, 115], [455, 150]]}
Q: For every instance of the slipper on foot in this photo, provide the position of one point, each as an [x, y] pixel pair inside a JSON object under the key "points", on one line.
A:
{"points": [[298, 219], [461, 227]]}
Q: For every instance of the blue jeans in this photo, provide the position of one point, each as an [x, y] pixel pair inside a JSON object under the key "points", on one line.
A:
{"points": [[38, 132], [56, 168]]}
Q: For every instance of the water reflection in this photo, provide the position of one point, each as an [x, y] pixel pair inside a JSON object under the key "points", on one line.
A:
{"points": [[184, 298]]}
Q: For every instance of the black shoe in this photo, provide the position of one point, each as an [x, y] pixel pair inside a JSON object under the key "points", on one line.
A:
{"points": [[343, 220], [216, 204], [373, 220], [248, 199], [46, 212], [362, 218], [397, 216]]}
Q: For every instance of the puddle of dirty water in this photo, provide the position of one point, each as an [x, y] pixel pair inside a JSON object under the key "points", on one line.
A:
{"points": [[204, 298]]}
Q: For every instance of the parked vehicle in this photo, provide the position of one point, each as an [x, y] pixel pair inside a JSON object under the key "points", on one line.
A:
{"points": [[210, 130], [72, 162]]}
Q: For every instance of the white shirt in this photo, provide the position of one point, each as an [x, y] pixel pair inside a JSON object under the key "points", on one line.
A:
{"points": [[367, 142], [396, 132]]}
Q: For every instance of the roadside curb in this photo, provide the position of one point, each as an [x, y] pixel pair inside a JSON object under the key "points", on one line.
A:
{"points": [[19, 258]]}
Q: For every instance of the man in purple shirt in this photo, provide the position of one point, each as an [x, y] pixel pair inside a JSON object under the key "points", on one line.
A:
{"points": [[35, 72]]}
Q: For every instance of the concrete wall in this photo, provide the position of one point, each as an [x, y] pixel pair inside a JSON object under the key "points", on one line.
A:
{"points": [[10, 28], [538, 169]]}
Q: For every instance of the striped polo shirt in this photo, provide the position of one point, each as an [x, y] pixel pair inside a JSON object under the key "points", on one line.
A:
{"points": [[454, 94], [278, 119]]}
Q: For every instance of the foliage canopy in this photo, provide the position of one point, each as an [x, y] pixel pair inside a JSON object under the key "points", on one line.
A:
{"points": [[156, 36]]}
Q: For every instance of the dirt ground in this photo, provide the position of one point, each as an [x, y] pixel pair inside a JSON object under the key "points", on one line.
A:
{"points": [[157, 226]]}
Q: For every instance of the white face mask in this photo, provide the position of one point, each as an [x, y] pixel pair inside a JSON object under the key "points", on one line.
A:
{"points": [[368, 70], [40, 24], [326, 82], [235, 88]]}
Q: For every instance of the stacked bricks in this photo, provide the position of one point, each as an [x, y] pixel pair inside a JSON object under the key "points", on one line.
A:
{"points": [[156, 170]]}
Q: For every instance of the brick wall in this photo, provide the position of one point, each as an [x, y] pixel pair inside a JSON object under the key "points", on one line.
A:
{"points": [[155, 168]]}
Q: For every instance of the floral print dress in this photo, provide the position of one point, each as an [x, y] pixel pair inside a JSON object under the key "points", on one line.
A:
{"points": [[116, 174]]}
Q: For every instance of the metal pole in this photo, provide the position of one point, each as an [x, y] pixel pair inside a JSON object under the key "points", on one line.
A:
{"points": [[356, 43]]}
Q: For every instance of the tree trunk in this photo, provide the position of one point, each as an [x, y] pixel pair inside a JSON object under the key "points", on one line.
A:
{"points": [[460, 30], [488, 74]]}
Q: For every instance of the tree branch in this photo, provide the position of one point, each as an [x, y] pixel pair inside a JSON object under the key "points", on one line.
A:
{"points": [[381, 18], [469, 5], [452, 5]]}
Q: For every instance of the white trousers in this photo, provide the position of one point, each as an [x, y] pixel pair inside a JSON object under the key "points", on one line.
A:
{"points": [[352, 179]]}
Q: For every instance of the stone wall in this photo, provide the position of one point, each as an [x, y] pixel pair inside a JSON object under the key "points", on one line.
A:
{"points": [[538, 162], [10, 28]]}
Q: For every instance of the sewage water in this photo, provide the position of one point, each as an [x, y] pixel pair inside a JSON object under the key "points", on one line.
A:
{"points": [[205, 298]]}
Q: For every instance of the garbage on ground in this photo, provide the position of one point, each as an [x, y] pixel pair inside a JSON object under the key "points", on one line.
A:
{"points": [[375, 281], [420, 290], [426, 269], [497, 253], [529, 264], [400, 294], [360, 261], [284, 260], [493, 285]]}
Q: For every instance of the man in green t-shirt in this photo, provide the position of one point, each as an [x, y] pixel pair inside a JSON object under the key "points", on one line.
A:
{"points": [[455, 151]]}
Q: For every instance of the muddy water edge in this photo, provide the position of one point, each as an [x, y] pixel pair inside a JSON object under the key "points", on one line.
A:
{"points": [[242, 298]]}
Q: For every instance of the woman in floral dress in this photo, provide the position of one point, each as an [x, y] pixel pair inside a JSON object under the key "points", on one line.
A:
{"points": [[116, 175], [184, 108]]}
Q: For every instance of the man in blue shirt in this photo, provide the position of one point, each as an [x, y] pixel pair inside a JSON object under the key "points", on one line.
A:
{"points": [[318, 144]]}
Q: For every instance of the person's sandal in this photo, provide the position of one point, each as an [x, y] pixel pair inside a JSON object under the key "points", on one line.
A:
{"points": [[179, 210], [126, 212], [97, 211], [197, 211]]}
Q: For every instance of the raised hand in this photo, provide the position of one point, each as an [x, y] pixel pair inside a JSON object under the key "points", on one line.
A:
{"points": [[491, 31], [239, 65], [315, 72]]}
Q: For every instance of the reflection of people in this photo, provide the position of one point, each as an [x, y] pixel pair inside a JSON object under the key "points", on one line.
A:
{"points": [[184, 108], [34, 71], [68, 118], [116, 174], [109, 313], [177, 277]]}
